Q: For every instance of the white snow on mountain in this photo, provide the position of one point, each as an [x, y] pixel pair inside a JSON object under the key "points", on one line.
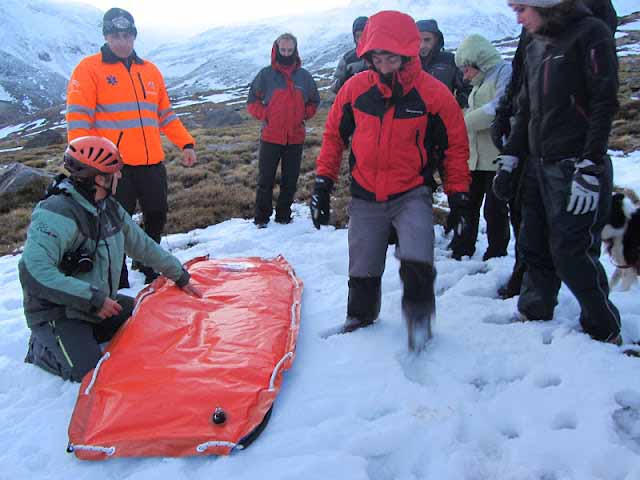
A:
{"points": [[224, 57]]}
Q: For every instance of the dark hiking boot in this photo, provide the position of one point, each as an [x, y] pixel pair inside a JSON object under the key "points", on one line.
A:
{"points": [[284, 220], [508, 290], [259, 223], [352, 323], [489, 255]]}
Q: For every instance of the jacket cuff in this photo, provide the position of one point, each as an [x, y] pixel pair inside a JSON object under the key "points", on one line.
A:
{"points": [[184, 279], [188, 146], [97, 299]]}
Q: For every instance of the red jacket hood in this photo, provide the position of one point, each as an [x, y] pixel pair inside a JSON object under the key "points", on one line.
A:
{"points": [[392, 31], [284, 68]]}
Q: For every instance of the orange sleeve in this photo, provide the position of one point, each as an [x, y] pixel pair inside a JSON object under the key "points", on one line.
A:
{"points": [[169, 122], [81, 102]]}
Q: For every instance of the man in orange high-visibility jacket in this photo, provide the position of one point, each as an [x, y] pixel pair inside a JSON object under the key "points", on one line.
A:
{"points": [[117, 95]]}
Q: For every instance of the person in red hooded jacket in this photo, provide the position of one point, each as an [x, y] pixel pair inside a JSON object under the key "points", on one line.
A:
{"points": [[396, 118], [283, 96]]}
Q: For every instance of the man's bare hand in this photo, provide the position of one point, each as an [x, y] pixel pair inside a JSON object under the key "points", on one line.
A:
{"points": [[109, 308], [189, 157]]}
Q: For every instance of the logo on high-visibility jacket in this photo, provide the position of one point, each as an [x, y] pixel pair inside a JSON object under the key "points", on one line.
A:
{"points": [[112, 80]]}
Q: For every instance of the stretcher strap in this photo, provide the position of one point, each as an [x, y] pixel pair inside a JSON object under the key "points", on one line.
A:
{"points": [[275, 370], [294, 278], [108, 451], [144, 294], [95, 373], [215, 443], [294, 316]]}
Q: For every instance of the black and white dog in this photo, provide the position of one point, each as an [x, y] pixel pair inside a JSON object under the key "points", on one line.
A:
{"points": [[621, 236]]}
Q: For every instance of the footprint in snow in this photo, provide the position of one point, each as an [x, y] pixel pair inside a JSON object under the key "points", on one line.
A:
{"points": [[626, 419]]}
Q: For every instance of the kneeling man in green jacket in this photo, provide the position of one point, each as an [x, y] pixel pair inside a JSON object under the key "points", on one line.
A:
{"points": [[72, 259]]}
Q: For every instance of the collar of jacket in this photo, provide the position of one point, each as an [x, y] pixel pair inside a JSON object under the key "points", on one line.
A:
{"points": [[109, 57], [406, 77], [559, 24], [78, 196]]}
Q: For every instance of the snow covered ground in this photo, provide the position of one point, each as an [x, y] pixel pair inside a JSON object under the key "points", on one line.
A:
{"points": [[485, 401]]}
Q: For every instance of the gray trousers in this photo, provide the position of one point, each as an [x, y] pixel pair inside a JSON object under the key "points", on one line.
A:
{"points": [[369, 225], [70, 348]]}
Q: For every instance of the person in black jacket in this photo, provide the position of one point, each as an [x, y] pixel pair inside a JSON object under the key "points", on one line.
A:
{"points": [[563, 118], [440, 64], [350, 63], [501, 127]]}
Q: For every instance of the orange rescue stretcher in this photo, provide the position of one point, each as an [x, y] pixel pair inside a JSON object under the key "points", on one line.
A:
{"points": [[187, 376]]}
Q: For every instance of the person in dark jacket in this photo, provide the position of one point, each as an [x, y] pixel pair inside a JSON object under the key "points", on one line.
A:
{"points": [[388, 115], [283, 96], [442, 66], [350, 63], [562, 124], [501, 127], [70, 267], [435, 61]]}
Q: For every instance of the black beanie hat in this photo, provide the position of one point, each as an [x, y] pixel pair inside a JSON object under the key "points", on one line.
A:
{"points": [[428, 26], [118, 20], [359, 24]]}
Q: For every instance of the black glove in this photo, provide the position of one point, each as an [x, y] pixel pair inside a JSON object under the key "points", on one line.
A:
{"points": [[504, 186], [320, 203], [458, 222], [500, 128]]}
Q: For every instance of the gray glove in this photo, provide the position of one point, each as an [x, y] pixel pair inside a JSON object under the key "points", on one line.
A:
{"points": [[585, 188], [508, 163]]}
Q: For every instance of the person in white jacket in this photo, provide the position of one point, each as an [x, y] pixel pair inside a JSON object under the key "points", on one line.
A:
{"points": [[483, 66]]}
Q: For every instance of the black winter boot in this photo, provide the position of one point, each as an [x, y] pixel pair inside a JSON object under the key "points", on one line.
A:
{"points": [[418, 302]]}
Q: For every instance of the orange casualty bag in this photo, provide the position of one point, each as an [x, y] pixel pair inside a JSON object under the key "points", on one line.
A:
{"points": [[189, 376]]}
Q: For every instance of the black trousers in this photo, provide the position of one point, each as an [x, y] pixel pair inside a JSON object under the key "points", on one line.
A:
{"points": [[496, 214], [556, 246], [145, 185], [268, 159], [70, 348], [515, 216]]}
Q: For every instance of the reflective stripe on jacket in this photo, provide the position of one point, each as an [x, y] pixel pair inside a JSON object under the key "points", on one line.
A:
{"points": [[105, 98]]}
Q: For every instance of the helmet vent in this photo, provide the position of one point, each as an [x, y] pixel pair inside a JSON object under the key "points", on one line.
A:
{"points": [[98, 155]]}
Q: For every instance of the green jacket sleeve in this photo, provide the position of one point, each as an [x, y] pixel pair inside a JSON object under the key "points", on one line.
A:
{"points": [[143, 248], [49, 237]]}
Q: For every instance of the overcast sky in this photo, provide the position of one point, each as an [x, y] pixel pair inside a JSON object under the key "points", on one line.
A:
{"points": [[193, 16]]}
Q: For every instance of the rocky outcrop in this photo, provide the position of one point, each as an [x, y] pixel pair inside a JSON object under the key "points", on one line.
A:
{"points": [[46, 138], [20, 185]]}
